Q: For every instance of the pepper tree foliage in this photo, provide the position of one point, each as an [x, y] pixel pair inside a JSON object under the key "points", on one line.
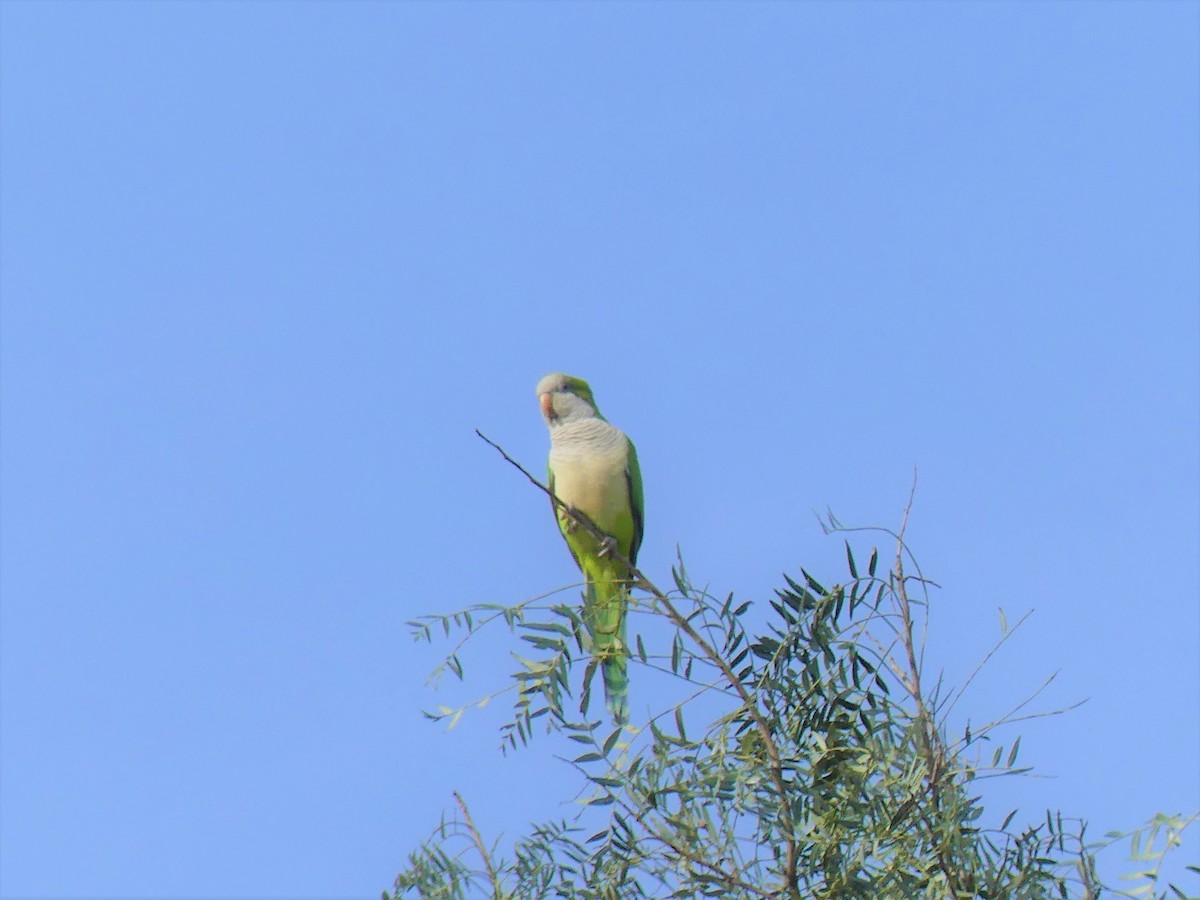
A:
{"points": [[824, 770]]}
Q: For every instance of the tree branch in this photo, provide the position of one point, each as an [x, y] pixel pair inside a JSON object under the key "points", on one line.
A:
{"points": [[497, 891]]}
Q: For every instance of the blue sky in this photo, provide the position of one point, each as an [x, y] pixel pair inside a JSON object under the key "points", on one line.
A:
{"points": [[264, 267]]}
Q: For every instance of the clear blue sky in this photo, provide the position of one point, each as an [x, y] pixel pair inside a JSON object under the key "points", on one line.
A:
{"points": [[264, 267]]}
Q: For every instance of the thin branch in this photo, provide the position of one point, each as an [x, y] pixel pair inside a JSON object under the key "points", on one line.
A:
{"points": [[635, 575], [1009, 717], [497, 891], [930, 745], [423, 624], [983, 662], [914, 670]]}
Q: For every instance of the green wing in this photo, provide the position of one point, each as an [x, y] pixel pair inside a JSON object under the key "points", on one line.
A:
{"points": [[633, 478]]}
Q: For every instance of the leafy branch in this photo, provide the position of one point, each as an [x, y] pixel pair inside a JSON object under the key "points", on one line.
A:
{"points": [[818, 779]]}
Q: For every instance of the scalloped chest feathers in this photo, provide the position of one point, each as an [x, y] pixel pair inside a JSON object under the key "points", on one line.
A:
{"points": [[589, 461]]}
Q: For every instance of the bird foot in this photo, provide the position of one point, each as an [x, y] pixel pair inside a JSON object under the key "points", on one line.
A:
{"points": [[570, 523], [607, 546]]}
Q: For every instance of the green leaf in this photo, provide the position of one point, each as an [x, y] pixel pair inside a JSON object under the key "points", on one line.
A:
{"points": [[812, 583], [546, 626], [680, 578], [1012, 754], [542, 643], [612, 741], [765, 648], [679, 722]]}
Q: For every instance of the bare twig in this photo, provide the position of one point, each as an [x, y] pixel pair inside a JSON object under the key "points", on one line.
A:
{"points": [[1011, 716], [635, 576], [983, 662]]}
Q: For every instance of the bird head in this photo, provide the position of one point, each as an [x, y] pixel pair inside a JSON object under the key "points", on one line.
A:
{"points": [[564, 398]]}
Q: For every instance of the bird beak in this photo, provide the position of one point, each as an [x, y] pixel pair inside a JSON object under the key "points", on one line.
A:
{"points": [[547, 407]]}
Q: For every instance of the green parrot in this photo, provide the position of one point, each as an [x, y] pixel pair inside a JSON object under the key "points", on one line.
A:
{"points": [[593, 467]]}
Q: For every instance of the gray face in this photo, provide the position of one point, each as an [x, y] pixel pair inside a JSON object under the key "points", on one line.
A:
{"points": [[560, 403], [552, 383]]}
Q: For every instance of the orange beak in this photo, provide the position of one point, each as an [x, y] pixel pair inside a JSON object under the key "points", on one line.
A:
{"points": [[547, 407]]}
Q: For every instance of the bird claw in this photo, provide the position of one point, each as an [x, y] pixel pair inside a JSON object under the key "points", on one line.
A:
{"points": [[607, 546], [570, 523]]}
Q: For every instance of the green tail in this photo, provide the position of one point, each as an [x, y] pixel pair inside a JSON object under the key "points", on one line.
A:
{"points": [[604, 612], [616, 687]]}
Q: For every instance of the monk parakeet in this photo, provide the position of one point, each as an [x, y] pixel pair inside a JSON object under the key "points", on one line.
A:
{"points": [[594, 468]]}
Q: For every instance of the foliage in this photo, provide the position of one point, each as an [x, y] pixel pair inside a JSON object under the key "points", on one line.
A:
{"points": [[822, 768]]}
